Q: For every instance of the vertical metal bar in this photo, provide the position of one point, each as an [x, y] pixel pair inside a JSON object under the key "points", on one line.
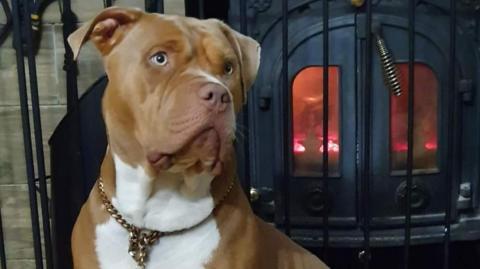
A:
{"points": [[410, 123], [3, 257], [70, 66], [285, 91], [365, 172], [325, 175], [160, 6], [245, 114], [22, 86], [451, 118], [69, 21], [148, 5], [107, 3], [201, 10], [155, 6], [38, 137], [243, 15]]}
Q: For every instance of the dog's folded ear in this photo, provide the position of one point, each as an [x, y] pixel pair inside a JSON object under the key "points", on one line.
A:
{"points": [[106, 30], [248, 53]]}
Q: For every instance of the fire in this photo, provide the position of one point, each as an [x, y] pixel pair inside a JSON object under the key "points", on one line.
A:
{"points": [[332, 147], [399, 146], [402, 146], [299, 147], [431, 145]]}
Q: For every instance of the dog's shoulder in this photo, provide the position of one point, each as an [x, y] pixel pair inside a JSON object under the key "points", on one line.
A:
{"points": [[286, 254], [83, 234]]}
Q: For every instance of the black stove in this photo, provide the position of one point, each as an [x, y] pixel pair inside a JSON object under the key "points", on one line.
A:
{"points": [[286, 142]]}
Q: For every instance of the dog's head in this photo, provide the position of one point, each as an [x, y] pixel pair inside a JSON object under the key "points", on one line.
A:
{"points": [[175, 85]]}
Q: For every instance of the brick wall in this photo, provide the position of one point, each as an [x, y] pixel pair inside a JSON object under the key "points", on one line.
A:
{"points": [[51, 80]]}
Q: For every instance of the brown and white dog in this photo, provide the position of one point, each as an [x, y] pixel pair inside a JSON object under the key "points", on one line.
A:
{"points": [[175, 85]]}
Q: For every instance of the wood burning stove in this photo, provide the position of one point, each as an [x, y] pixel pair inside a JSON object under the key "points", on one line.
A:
{"points": [[286, 137]]}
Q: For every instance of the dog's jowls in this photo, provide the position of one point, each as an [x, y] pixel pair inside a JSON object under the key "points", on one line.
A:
{"points": [[175, 86]]}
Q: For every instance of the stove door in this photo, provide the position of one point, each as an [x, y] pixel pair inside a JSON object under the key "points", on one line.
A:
{"points": [[308, 198], [389, 131]]}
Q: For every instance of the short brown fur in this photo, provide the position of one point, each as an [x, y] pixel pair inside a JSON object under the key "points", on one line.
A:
{"points": [[130, 109]]}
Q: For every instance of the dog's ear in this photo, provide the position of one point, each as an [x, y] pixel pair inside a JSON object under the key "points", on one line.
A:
{"points": [[248, 53], [106, 30]]}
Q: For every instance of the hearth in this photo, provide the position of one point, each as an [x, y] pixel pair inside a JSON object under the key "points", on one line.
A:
{"points": [[286, 134]]}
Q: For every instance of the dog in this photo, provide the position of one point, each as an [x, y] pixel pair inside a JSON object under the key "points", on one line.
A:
{"points": [[167, 195]]}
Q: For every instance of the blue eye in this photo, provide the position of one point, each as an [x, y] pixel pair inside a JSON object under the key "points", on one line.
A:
{"points": [[160, 58]]}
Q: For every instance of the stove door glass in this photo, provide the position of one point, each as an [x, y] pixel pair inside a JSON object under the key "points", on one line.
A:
{"points": [[307, 106], [425, 122]]}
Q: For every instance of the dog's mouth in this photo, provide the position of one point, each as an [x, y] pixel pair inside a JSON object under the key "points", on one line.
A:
{"points": [[203, 152]]}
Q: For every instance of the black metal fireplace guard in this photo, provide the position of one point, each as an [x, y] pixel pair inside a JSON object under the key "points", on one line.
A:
{"points": [[336, 151]]}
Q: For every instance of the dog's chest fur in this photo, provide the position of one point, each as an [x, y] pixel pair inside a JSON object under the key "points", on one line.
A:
{"points": [[191, 250], [164, 211]]}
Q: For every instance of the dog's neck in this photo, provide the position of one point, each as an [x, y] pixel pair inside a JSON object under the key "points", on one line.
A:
{"points": [[165, 203]]}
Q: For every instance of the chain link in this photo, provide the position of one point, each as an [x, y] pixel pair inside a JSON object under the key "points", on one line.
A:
{"points": [[140, 240]]}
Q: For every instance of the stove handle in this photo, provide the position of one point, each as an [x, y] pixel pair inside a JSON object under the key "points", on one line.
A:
{"points": [[390, 71], [264, 98]]}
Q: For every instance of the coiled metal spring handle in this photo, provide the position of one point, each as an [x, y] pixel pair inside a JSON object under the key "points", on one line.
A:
{"points": [[390, 71]]}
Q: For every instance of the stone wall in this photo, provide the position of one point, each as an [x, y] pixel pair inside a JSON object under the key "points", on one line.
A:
{"points": [[51, 80]]}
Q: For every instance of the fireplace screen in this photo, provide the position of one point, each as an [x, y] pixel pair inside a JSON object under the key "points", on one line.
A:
{"points": [[307, 98], [425, 121]]}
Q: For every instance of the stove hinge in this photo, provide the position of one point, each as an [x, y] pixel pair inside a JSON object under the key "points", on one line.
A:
{"points": [[465, 87], [264, 98], [465, 196]]}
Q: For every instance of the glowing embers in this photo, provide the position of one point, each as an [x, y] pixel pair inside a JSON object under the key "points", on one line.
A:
{"points": [[307, 98], [299, 147], [425, 121]]}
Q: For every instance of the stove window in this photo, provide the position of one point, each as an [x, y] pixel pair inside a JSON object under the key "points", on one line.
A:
{"points": [[425, 122], [307, 98]]}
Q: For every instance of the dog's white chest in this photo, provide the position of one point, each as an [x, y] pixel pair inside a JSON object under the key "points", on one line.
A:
{"points": [[189, 250]]}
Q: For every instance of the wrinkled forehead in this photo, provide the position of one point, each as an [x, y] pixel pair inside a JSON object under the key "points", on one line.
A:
{"points": [[184, 34]]}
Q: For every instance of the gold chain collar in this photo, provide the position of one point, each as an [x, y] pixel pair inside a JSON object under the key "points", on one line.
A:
{"points": [[140, 240]]}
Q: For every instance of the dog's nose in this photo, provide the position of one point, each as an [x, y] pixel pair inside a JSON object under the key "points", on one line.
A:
{"points": [[163, 161], [214, 96]]}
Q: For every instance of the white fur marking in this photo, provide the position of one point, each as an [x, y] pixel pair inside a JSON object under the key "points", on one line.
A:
{"points": [[133, 187], [189, 250], [167, 209]]}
